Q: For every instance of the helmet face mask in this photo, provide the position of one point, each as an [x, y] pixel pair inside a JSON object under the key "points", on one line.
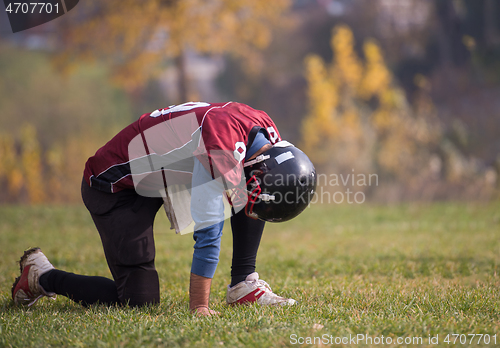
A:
{"points": [[281, 183]]}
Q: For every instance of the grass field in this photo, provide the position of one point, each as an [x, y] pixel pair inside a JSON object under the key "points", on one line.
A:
{"points": [[417, 273]]}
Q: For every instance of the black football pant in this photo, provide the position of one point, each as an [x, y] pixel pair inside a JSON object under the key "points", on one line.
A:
{"points": [[125, 224]]}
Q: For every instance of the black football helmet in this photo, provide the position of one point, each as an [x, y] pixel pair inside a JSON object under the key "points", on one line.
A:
{"points": [[280, 183]]}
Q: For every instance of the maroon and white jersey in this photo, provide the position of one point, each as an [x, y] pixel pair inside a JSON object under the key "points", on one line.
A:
{"points": [[159, 147]]}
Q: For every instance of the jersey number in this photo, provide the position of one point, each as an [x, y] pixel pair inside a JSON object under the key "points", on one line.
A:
{"points": [[181, 107]]}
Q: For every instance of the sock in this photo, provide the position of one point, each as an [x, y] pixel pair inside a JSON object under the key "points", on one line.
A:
{"points": [[237, 279], [85, 290], [247, 233]]}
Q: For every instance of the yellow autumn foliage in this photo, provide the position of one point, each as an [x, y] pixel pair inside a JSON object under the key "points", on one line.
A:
{"points": [[358, 117], [376, 77], [10, 169], [34, 176], [51, 125], [32, 164], [347, 67], [138, 38], [321, 123]]}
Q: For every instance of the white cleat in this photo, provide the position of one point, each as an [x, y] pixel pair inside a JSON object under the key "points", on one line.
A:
{"points": [[253, 289], [26, 290]]}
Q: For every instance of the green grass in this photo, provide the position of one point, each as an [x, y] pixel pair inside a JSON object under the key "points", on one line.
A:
{"points": [[400, 271]]}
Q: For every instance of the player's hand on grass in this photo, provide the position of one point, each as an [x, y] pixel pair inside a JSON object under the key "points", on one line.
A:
{"points": [[204, 311]]}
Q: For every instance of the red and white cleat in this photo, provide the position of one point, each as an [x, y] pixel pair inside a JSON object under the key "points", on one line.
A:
{"points": [[26, 290], [253, 289]]}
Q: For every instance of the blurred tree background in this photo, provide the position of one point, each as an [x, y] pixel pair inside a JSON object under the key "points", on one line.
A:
{"points": [[408, 90]]}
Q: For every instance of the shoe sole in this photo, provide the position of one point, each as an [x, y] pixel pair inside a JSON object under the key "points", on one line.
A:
{"points": [[21, 268], [278, 304]]}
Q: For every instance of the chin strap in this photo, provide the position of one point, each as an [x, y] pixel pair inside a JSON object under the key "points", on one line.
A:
{"points": [[239, 197]]}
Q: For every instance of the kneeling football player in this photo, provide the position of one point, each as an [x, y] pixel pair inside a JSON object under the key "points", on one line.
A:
{"points": [[189, 158]]}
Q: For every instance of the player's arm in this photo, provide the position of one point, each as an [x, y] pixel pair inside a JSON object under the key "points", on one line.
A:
{"points": [[207, 210]]}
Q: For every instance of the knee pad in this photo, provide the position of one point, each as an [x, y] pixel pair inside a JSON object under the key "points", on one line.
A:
{"points": [[142, 287]]}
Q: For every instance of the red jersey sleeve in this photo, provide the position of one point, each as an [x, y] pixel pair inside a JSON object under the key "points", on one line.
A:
{"points": [[226, 133]]}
